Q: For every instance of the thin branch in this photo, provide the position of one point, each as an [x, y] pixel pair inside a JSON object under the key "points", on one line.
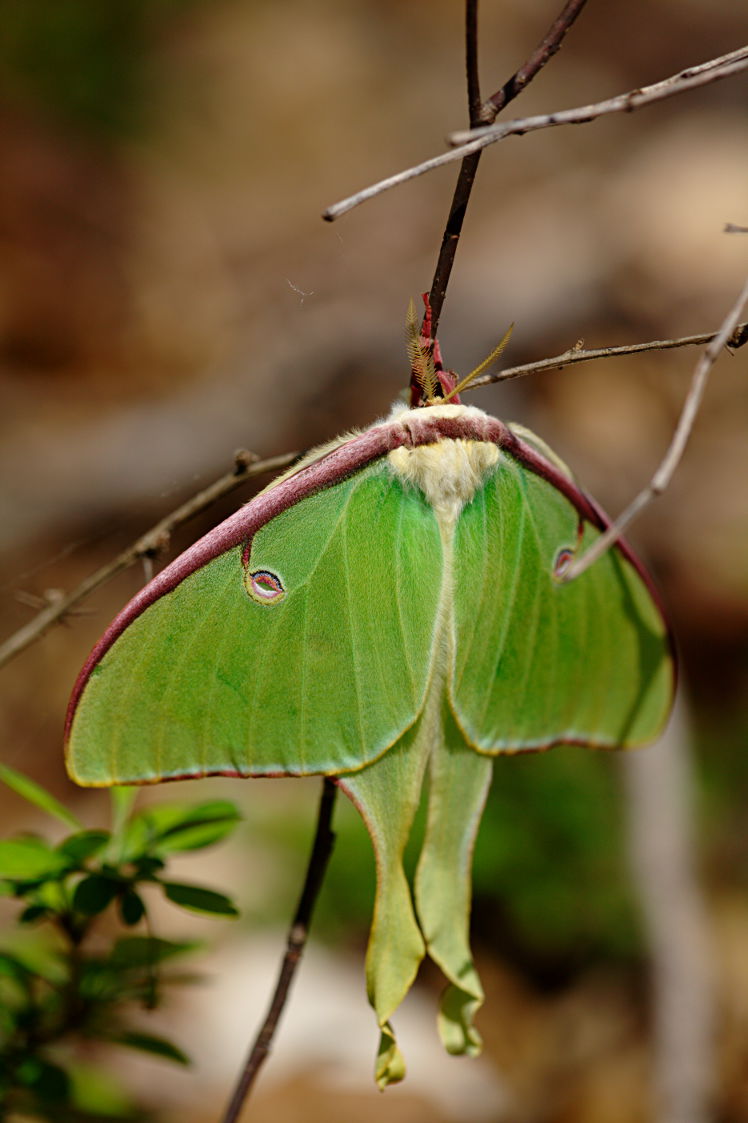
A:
{"points": [[543, 53], [689, 79], [488, 112], [451, 237], [147, 546], [672, 457], [471, 63], [324, 840], [714, 70], [466, 178], [574, 355]]}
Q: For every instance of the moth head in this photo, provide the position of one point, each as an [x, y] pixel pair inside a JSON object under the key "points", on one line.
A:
{"points": [[430, 383]]}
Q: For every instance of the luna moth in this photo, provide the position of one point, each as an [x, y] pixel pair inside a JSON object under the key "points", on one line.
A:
{"points": [[391, 610]]}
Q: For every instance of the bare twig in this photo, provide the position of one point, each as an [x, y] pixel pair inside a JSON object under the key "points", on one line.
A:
{"points": [[471, 63], [487, 112], [714, 70], [672, 457], [689, 79], [578, 355], [451, 237], [147, 546], [466, 178], [543, 53], [324, 840]]}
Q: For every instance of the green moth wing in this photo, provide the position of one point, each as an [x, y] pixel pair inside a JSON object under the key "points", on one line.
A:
{"points": [[303, 651], [538, 661]]}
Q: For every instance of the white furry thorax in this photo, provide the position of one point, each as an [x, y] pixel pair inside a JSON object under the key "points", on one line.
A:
{"points": [[448, 472]]}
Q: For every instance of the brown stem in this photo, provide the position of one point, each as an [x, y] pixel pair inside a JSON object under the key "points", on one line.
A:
{"points": [[543, 53], [486, 114], [692, 78], [297, 937], [451, 237], [471, 63], [739, 338]]}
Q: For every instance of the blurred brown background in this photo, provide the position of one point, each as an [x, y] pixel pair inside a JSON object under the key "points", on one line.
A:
{"points": [[168, 293]]}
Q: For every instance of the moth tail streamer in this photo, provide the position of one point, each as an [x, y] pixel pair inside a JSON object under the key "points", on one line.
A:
{"points": [[459, 779], [387, 794]]}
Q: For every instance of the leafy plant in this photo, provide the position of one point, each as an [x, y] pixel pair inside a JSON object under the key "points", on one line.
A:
{"points": [[76, 965]]}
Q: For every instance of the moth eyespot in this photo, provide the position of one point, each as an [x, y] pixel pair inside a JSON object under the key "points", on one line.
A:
{"points": [[563, 560], [264, 587]]}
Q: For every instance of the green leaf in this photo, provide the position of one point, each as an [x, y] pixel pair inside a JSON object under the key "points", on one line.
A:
{"points": [[13, 968], [83, 845], [48, 1081], [122, 800], [134, 840], [193, 828], [39, 796], [95, 893], [98, 1094], [29, 859], [34, 951], [174, 827], [52, 895], [131, 907], [145, 951], [100, 985], [198, 899], [33, 913], [147, 866], [195, 836], [148, 1043], [164, 817]]}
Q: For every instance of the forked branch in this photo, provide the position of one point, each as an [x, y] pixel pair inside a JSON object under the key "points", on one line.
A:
{"points": [[694, 76], [543, 53], [486, 112], [691, 78]]}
